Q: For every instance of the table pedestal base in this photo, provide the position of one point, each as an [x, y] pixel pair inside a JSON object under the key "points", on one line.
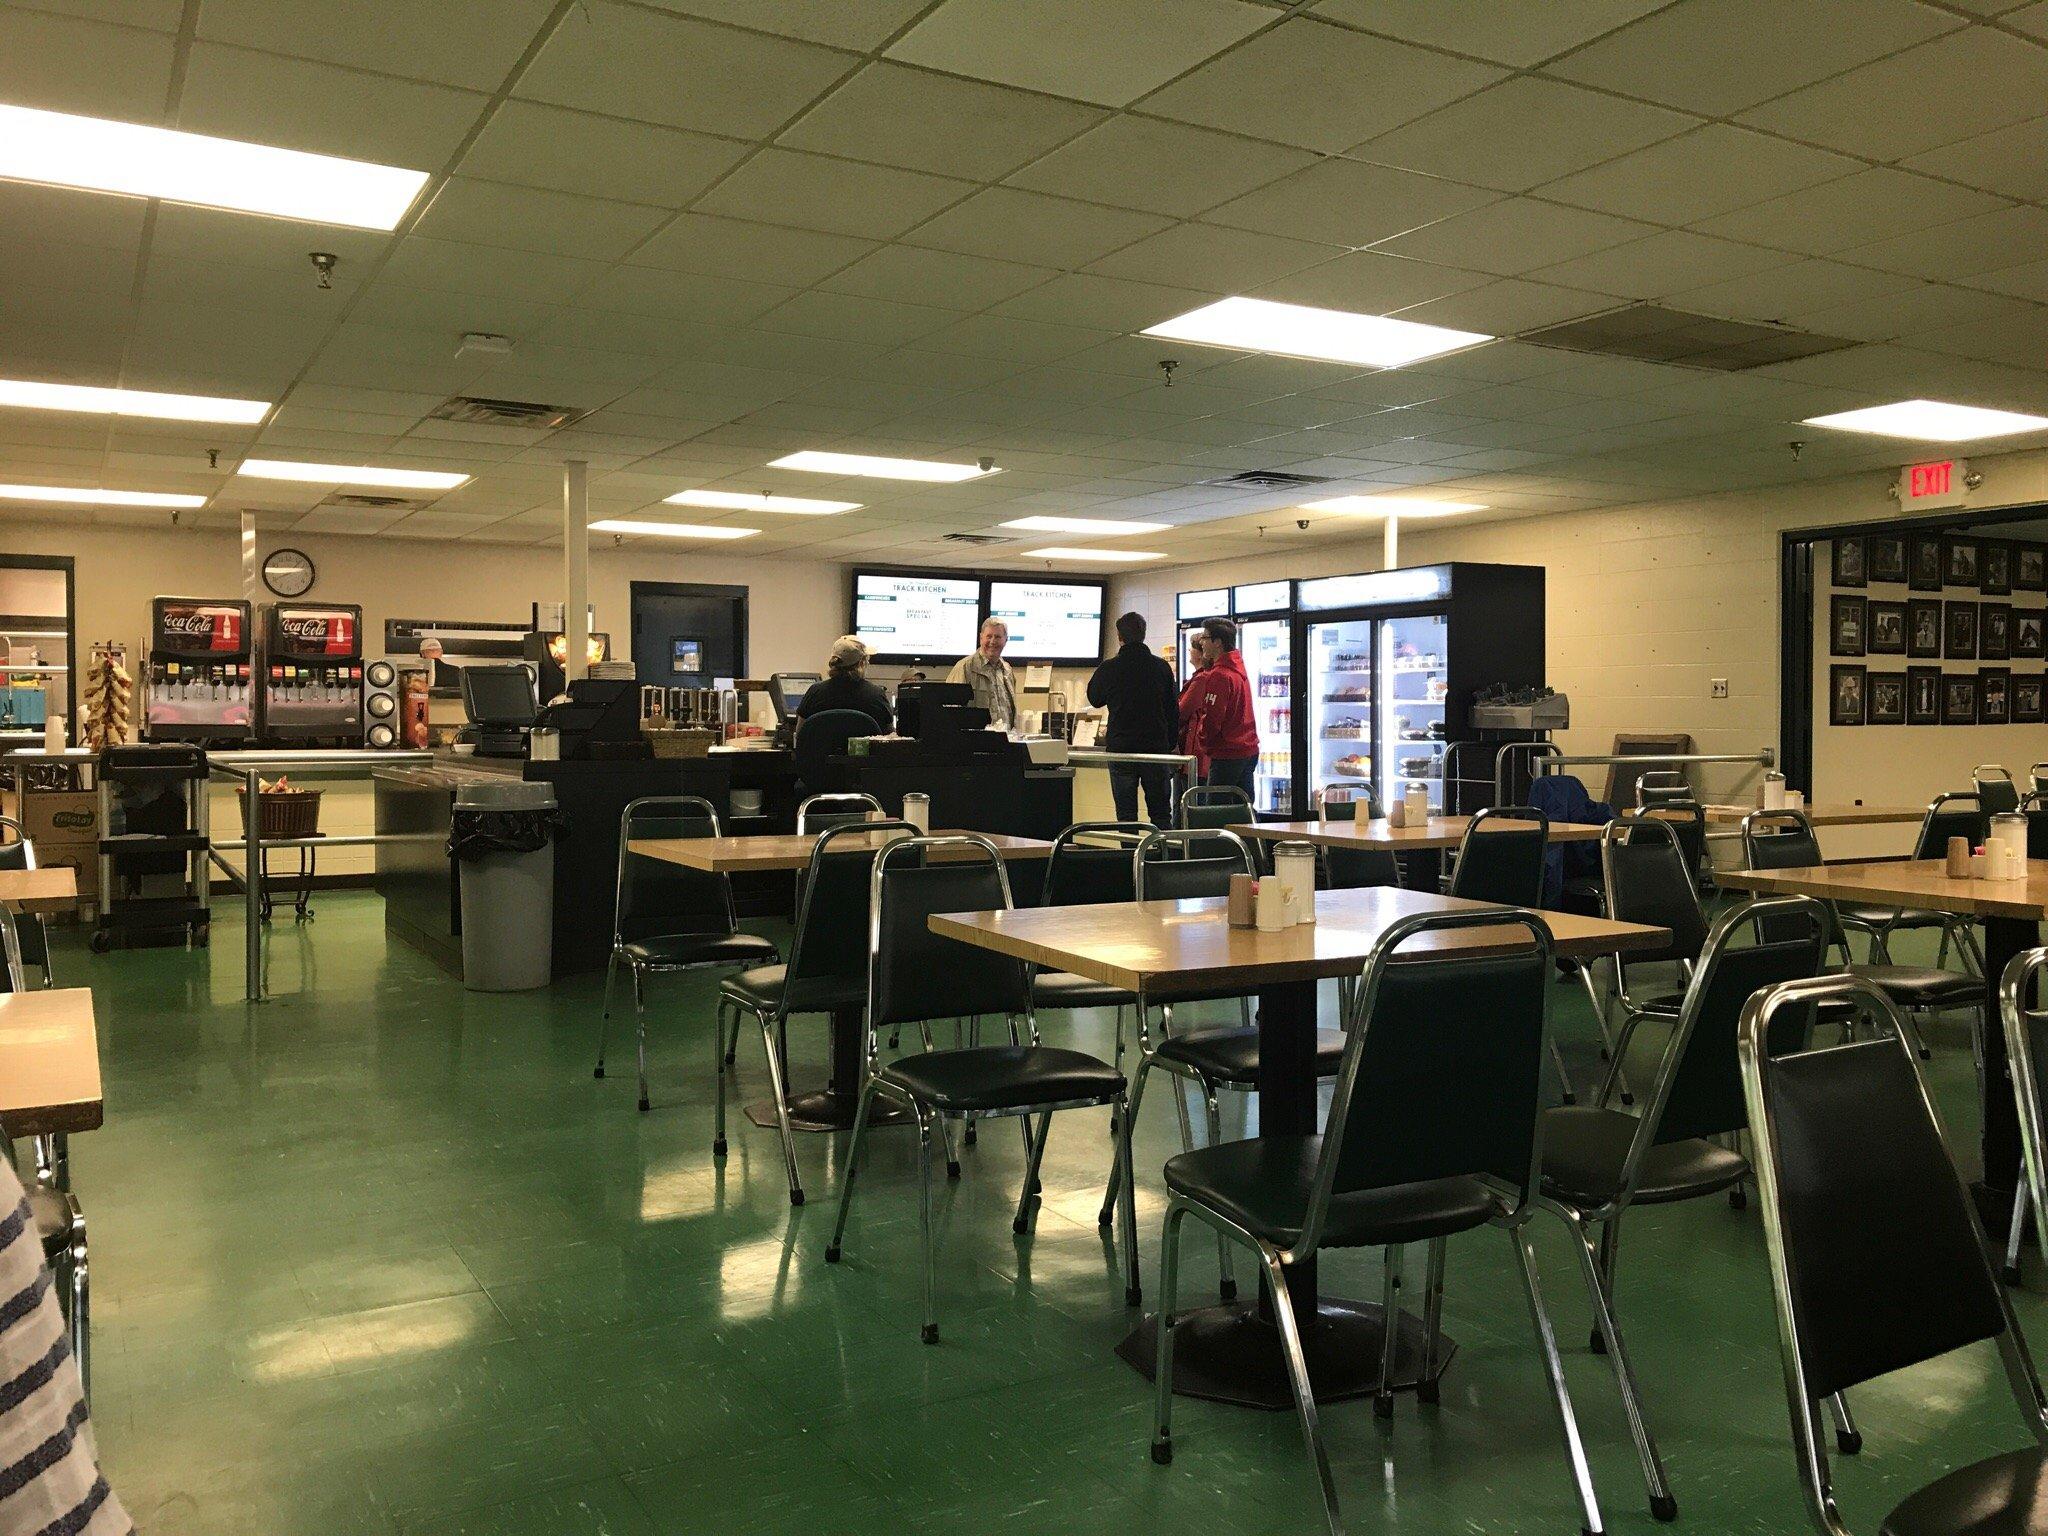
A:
{"points": [[826, 1109], [1229, 1354]]}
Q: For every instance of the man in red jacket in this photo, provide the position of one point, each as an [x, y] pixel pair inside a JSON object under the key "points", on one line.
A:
{"points": [[1217, 723]]}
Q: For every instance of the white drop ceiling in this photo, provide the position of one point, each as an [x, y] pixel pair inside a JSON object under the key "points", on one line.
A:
{"points": [[732, 229]]}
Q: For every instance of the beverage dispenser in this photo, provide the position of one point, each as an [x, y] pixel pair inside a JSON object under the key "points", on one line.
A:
{"points": [[200, 684], [312, 675]]}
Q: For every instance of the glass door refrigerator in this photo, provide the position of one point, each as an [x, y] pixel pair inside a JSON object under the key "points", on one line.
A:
{"points": [[1392, 660], [1189, 610], [1265, 637]]}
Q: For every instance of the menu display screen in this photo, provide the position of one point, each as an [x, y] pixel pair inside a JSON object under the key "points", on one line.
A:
{"points": [[1050, 620], [905, 615]]}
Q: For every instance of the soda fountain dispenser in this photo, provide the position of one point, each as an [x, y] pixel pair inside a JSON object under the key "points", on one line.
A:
{"points": [[199, 684], [312, 675]]}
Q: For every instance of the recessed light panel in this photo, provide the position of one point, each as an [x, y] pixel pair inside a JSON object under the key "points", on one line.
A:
{"points": [[351, 474], [74, 496], [1108, 556], [98, 155], [30, 394], [1932, 421], [1329, 335], [1392, 506], [741, 501], [670, 530], [879, 468], [1105, 527]]}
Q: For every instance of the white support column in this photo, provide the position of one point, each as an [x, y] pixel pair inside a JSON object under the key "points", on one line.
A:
{"points": [[252, 567], [576, 567], [1391, 532]]}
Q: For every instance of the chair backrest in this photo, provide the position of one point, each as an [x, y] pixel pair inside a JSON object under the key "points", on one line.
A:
{"points": [[1662, 786], [1182, 864], [17, 850], [821, 738], [1687, 819], [1500, 857], [1647, 879], [2038, 776], [915, 974], [834, 809], [2034, 807], [1353, 793], [1214, 805], [831, 942], [656, 897], [1953, 815], [1779, 840], [1877, 1256], [2026, 1047], [1996, 792], [1442, 1075], [1090, 863]]}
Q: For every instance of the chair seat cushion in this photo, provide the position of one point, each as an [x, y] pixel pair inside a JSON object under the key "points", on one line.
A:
{"points": [[986, 1077], [1584, 1149], [51, 1213], [1998, 1496], [1892, 917], [761, 989], [679, 949], [1230, 1053], [1923, 986], [1063, 989], [1264, 1185]]}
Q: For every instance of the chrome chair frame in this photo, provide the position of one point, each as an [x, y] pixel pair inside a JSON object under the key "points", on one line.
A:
{"points": [[18, 956], [1634, 1011], [843, 797], [1127, 831], [2037, 775], [1955, 928], [2031, 1193], [1752, 1041], [926, 1116], [2000, 776], [1275, 1262]]}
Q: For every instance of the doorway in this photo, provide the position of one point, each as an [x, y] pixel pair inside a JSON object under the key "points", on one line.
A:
{"points": [[686, 634]]}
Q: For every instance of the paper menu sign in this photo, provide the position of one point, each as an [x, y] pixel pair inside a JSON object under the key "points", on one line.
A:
{"points": [[1038, 678]]}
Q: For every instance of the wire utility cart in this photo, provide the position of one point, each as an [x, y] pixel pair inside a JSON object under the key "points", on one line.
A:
{"points": [[159, 793]]}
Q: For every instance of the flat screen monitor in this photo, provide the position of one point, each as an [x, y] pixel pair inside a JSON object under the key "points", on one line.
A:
{"points": [[904, 616], [786, 690], [495, 693], [1057, 619]]}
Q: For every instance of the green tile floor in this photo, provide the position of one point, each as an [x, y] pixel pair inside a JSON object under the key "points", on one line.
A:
{"points": [[381, 1256]]}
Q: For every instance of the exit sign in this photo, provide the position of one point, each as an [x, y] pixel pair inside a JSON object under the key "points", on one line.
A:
{"points": [[1939, 484]]}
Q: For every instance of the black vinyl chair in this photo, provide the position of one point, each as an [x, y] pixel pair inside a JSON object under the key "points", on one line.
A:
{"points": [[1687, 819], [1785, 840], [1350, 869], [916, 976], [817, 812], [1434, 1129], [1090, 865], [667, 918], [2034, 806], [1878, 1260], [1996, 791], [1500, 857], [32, 938], [2026, 1046], [819, 739], [1219, 806], [1948, 815], [1598, 1163], [827, 969]]}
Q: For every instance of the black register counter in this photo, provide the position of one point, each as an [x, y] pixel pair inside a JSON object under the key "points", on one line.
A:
{"points": [[419, 884]]}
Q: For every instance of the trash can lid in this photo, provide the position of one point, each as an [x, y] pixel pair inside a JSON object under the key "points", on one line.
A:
{"points": [[505, 795]]}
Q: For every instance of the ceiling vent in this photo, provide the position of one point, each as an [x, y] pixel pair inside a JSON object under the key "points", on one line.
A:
{"points": [[366, 503], [479, 410], [1650, 333], [1268, 480], [976, 539]]}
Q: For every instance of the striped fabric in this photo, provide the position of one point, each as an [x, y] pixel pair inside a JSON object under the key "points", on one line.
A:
{"points": [[50, 1483]]}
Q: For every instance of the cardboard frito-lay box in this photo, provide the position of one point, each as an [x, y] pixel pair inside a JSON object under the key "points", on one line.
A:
{"points": [[83, 859], [61, 816]]}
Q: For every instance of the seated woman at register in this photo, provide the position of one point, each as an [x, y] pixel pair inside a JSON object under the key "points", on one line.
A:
{"points": [[846, 686]]}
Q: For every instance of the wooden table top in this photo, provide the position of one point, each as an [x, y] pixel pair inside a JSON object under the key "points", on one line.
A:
{"points": [[1437, 832], [1921, 884], [787, 850], [1170, 947], [1827, 815], [35, 889], [49, 1063]]}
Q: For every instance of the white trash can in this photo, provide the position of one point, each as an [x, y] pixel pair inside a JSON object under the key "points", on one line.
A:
{"points": [[503, 836]]}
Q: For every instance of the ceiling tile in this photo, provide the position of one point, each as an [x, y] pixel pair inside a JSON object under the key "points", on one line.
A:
{"points": [[1514, 236], [1522, 132], [1369, 283], [488, 270], [1987, 243], [692, 296], [675, 70], [2027, 281], [470, 43], [1660, 264], [67, 64], [1974, 80], [697, 242], [1202, 255], [840, 197], [1773, 295], [1510, 31], [531, 218], [1025, 342], [1113, 304], [1111, 54], [1718, 56], [911, 274], [1930, 307], [927, 122], [531, 145], [1300, 84], [861, 24], [1853, 212], [1684, 180], [2012, 161], [1344, 202], [1170, 168], [1030, 227], [1504, 308], [846, 317]]}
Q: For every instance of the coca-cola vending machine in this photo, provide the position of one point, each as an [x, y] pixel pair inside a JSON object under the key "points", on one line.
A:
{"points": [[200, 686], [311, 673]]}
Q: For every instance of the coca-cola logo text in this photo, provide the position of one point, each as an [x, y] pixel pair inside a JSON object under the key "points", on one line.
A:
{"points": [[306, 629], [188, 624]]}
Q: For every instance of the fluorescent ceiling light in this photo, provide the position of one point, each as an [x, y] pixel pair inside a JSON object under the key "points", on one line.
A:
{"points": [[1107, 527], [1117, 556], [879, 468], [351, 474], [671, 530], [1296, 330], [741, 501], [35, 396], [74, 496], [1392, 506], [1934, 421], [98, 155]]}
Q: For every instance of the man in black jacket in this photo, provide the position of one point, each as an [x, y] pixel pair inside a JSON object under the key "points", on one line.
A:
{"points": [[1144, 716]]}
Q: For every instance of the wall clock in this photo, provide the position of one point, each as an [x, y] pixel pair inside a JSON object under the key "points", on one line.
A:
{"points": [[288, 572]]}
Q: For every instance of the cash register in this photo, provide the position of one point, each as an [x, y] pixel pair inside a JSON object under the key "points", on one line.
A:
{"points": [[600, 718], [786, 691], [499, 702]]}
